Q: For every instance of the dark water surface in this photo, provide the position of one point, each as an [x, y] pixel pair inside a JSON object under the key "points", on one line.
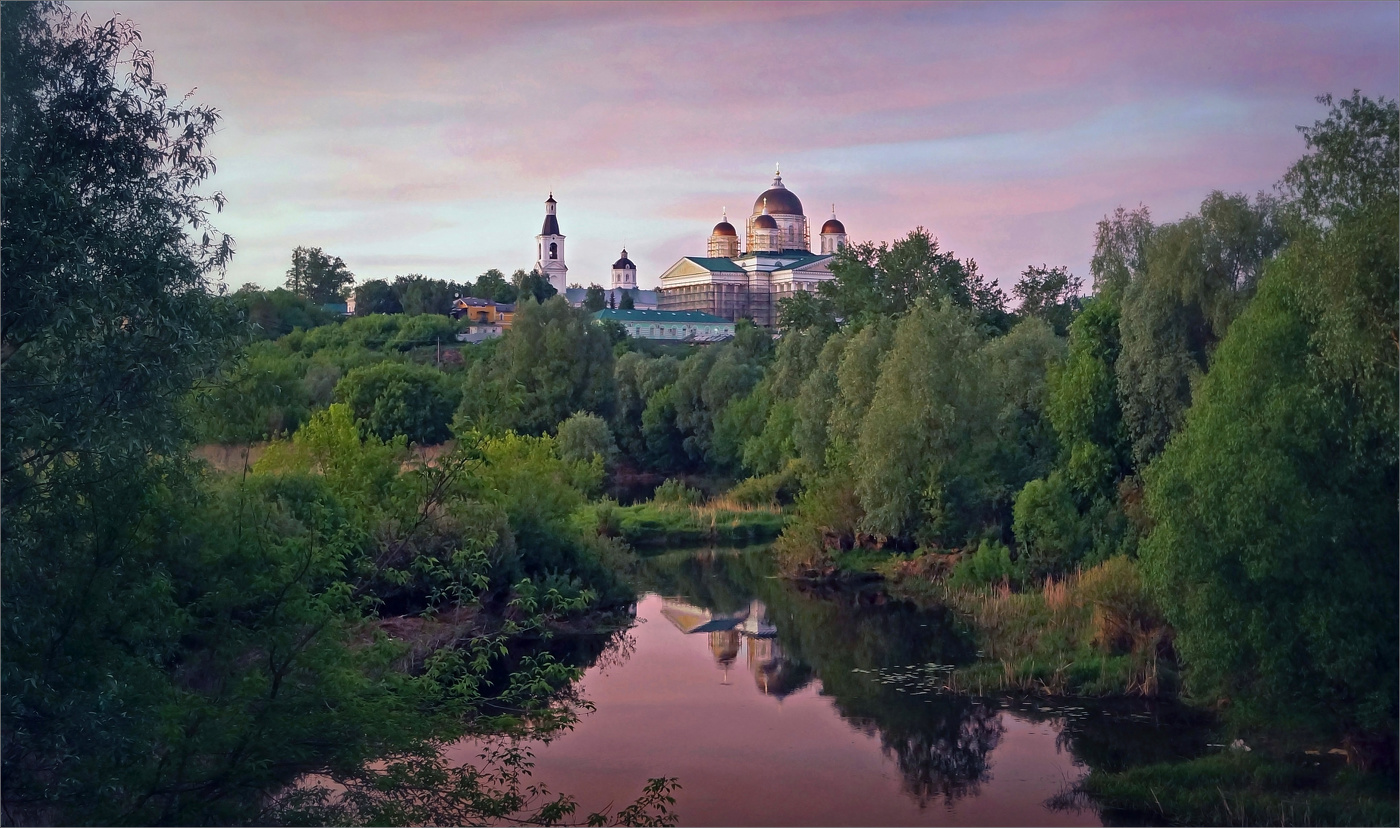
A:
{"points": [[775, 706]]}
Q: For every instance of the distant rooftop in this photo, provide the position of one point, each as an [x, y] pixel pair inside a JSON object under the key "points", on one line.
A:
{"points": [[660, 316]]}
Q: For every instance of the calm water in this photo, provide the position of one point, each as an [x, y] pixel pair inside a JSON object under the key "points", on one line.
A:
{"points": [[776, 706]]}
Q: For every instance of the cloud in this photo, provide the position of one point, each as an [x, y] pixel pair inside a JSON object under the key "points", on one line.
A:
{"points": [[425, 136]]}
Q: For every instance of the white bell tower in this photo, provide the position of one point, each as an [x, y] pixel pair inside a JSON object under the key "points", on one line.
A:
{"points": [[549, 250]]}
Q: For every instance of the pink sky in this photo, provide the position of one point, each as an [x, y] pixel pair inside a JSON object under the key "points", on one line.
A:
{"points": [[407, 137]]}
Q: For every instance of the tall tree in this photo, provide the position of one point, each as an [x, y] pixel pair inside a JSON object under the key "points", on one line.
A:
{"points": [[318, 276], [108, 319], [626, 302], [594, 299], [1274, 544], [533, 284], [886, 280], [376, 296], [1048, 293], [1197, 275]]}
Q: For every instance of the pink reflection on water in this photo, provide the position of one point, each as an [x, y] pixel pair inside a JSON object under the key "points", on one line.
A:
{"points": [[692, 706]]}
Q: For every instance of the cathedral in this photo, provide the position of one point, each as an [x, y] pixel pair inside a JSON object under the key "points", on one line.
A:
{"points": [[776, 262]]}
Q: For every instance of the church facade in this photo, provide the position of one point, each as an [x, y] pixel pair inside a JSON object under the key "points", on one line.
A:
{"points": [[776, 262]]}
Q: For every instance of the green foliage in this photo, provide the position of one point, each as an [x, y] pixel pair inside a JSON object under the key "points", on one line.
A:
{"points": [[675, 492], [887, 280], [187, 650], [1050, 294], [659, 525], [395, 399], [275, 313], [815, 401], [637, 379], [425, 330], [417, 294], [1274, 544], [779, 488], [493, 285], [261, 397], [924, 421], [594, 298], [556, 361], [533, 284], [1239, 788], [855, 378], [318, 277], [376, 296], [1197, 275], [804, 310], [627, 302], [585, 437], [989, 565]]}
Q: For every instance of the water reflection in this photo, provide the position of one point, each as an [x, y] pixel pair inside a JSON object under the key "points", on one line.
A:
{"points": [[748, 630], [791, 637], [795, 706]]}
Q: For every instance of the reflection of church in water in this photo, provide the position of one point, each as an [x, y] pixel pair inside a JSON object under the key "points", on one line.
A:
{"points": [[749, 630]]}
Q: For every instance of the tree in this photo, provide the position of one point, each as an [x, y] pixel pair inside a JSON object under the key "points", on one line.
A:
{"points": [[108, 319], [318, 277], [594, 299], [1197, 275], [1049, 293], [493, 285], [626, 302], [376, 296], [558, 362], [393, 398], [805, 309], [1273, 551], [533, 284], [886, 280], [585, 438], [922, 427], [272, 314]]}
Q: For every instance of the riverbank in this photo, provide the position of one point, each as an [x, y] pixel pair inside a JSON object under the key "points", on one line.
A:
{"points": [[658, 525], [1096, 633]]}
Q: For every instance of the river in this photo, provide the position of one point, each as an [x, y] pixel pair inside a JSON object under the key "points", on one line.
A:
{"points": [[779, 706]]}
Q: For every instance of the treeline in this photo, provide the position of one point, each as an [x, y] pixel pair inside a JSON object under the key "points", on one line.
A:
{"points": [[316, 281]]}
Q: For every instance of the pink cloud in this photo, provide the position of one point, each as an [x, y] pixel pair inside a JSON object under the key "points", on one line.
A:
{"points": [[1009, 128]]}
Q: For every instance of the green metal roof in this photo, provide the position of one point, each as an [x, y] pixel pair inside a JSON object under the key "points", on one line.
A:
{"points": [[719, 265], [800, 258], [660, 316]]}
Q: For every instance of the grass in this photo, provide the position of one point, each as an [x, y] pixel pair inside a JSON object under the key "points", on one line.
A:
{"points": [[1091, 633], [720, 521], [1233, 788]]}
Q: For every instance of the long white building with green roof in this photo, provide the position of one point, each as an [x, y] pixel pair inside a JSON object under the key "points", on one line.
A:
{"points": [[776, 262], [676, 326]]}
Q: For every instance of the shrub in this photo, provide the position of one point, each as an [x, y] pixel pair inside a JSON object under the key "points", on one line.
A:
{"points": [[780, 487], [990, 564], [675, 492]]}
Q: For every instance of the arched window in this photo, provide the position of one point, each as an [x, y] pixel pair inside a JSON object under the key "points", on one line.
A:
{"points": [[553, 250]]}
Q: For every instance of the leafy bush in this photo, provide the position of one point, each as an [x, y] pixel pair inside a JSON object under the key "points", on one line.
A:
{"points": [[674, 492], [780, 487], [392, 398], [990, 564]]}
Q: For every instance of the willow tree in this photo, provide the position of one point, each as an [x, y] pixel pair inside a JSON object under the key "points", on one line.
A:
{"points": [[1274, 546]]}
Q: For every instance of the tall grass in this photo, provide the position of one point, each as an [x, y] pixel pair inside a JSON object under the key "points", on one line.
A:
{"points": [[1093, 632]]}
